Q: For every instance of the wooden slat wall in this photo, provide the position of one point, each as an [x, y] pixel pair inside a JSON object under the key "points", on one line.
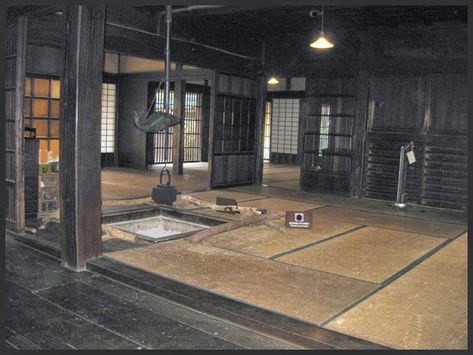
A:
{"points": [[445, 172], [340, 94], [237, 168], [446, 149], [16, 44], [31, 171], [383, 165], [431, 110]]}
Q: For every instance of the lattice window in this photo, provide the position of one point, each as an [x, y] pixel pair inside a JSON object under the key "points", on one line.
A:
{"points": [[324, 128], [267, 132], [109, 97], [41, 111], [193, 127], [285, 125], [160, 143], [235, 119]]}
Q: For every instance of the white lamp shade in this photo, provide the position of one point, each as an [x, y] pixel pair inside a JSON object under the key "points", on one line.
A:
{"points": [[321, 42], [273, 81]]}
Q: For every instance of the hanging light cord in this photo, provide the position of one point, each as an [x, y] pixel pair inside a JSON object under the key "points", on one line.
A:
{"points": [[322, 31]]}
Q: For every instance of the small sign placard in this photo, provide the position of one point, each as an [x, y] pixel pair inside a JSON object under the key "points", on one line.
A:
{"points": [[299, 219], [411, 157]]}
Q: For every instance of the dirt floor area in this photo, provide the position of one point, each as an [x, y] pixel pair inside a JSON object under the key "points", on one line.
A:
{"points": [[126, 183], [396, 278]]}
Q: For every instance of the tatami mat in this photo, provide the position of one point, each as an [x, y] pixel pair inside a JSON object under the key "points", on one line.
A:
{"points": [[305, 294], [424, 309], [263, 240], [371, 254], [406, 224]]}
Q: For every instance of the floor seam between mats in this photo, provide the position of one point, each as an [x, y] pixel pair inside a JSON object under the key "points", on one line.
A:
{"points": [[294, 265], [317, 242]]}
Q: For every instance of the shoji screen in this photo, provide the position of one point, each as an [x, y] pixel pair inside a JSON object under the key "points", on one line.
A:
{"points": [[285, 126]]}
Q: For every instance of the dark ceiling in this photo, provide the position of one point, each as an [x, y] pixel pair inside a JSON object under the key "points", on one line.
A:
{"points": [[245, 28], [285, 30], [257, 21]]}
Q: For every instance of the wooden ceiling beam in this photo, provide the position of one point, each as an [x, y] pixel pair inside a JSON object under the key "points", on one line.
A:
{"points": [[123, 41]]}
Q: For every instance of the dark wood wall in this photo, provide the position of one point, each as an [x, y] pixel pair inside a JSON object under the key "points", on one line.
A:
{"points": [[328, 167], [132, 142], [407, 87], [234, 131], [429, 109]]}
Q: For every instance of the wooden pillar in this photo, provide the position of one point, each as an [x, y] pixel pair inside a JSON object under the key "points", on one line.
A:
{"points": [[359, 134], [13, 198], [80, 136], [213, 103], [178, 130], [262, 84]]}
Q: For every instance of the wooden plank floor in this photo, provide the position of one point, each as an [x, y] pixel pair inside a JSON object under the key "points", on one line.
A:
{"points": [[125, 183], [49, 307]]}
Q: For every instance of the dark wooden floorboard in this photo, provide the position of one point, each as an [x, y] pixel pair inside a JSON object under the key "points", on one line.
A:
{"points": [[13, 340], [50, 307], [137, 321], [51, 327], [35, 270], [279, 326], [190, 317]]}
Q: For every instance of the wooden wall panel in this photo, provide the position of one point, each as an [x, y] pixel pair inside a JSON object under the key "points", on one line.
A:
{"points": [[31, 162], [431, 110], [328, 167], [446, 104], [395, 102], [131, 142], [445, 172], [237, 86], [44, 60], [233, 131], [383, 165]]}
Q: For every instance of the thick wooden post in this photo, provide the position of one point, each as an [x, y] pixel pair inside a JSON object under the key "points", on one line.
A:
{"points": [[15, 58], [213, 103], [262, 83], [178, 131], [359, 133], [80, 136]]}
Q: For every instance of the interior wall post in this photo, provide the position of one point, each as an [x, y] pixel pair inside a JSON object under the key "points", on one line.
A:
{"points": [[262, 95], [178, 131], [16, 34], [359, 133], [213, 103], [80, 136]]}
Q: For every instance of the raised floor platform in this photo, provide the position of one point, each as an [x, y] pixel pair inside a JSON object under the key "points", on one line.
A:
{"points": [[363, 264]]}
